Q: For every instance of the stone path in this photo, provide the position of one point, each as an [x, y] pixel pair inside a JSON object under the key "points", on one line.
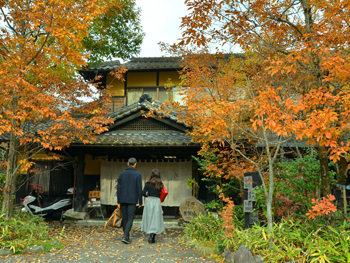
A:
{"points": [[94, 244]]}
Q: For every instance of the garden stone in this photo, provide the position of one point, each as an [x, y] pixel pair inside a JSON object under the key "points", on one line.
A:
{"points": [[215, 215], [71, 214], [219, 250], [243, 255], [5, 251], [229, 256], [258, 259], [226, 251], [190, 208], [35, 249]]}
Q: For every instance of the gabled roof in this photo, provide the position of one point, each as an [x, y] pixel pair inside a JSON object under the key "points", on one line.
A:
{"points": [[136, 107], [164, 131]]}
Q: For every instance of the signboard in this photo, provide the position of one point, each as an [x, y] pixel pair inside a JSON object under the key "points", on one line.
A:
{"points": [[251, 180], [94, 201], [94, 194], [251, 195], [191, 208], [248, 182], [248, 206]]}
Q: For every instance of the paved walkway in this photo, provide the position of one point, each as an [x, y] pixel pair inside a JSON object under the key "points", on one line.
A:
{"points": [[91, 243]]}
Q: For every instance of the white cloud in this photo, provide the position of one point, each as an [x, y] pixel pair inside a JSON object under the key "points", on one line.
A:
{"points": [[161, 20]]}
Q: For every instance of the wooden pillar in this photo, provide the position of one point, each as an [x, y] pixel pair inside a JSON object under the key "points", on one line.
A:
{"points": [[79, 196]]}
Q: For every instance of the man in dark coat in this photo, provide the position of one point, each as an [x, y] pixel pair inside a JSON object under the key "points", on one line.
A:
{"points": [[129, 193]]}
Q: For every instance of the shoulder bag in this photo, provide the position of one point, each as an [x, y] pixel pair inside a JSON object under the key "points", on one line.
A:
{"points": [[163, 194]]}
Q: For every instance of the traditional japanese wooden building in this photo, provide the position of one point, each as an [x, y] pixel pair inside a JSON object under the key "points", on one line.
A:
{"points": [[157, 143], [160, 143]]}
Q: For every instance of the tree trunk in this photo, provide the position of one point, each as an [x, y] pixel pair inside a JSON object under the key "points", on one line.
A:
{"points": [[269, 201], [343, 171], [269, 215], [324, 172], [11, 177], [325, 179]]}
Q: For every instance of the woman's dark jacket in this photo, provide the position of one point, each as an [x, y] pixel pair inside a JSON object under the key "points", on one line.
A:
{"points": [[149, 190]]}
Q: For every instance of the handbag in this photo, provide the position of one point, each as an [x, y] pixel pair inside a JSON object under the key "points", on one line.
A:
{"points": [[116, 219], [163, 194]]}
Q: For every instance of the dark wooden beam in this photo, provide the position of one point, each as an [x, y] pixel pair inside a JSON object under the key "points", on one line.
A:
{"points": [[79, 194], [157, 153]]}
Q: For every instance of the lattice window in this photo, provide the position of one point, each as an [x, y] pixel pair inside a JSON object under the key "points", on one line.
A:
{"points": [[142, 124]]}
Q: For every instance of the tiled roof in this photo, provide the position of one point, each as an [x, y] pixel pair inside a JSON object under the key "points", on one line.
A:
{"points": [[145, 138], [125, 137], [107, 66], [29, 128], [153, 63], [143, 63], [137, 106]]}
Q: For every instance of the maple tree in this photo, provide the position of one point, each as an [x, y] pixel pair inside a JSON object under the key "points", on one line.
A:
{"points": [[41, 96], [227, 214], [323, 207], [222, 102], [301, 48], [115, 34]]}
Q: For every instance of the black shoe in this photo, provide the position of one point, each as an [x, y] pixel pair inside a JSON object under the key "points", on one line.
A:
{"points": [[126, 240], [153, 238], [150, 238]]}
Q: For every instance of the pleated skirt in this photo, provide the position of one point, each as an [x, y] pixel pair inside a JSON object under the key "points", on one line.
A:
{"points": [[152, 217]]}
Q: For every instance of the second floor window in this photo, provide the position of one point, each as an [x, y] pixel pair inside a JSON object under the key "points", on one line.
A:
{"points": [[158, 93]]}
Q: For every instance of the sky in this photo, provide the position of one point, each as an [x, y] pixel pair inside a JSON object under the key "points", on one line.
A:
{"points": [[161, 21]]}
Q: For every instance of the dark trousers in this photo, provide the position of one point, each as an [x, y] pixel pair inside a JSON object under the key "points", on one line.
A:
{"points": [[128, 212]]}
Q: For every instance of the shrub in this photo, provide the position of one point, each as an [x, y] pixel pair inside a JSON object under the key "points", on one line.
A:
{"points": [[294, 240], [204, 227], [296, 184], [24, 230], [322, 207], [311, 240]]}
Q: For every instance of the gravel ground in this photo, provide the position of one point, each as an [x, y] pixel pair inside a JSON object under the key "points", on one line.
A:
{"points": [[94, 244]]}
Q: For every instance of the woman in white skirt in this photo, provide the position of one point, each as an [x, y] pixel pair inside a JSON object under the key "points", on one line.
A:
{"points": [[152, 217]]}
